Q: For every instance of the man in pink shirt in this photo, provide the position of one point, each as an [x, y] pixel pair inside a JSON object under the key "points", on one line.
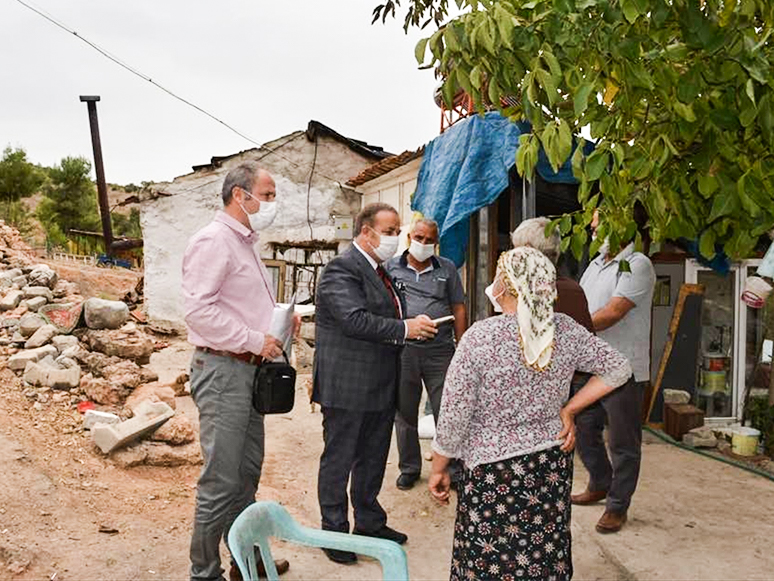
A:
{"points": [[228, 308]]}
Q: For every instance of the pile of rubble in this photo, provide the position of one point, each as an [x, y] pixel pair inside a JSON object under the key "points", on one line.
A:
{"points": [[93, 362]]}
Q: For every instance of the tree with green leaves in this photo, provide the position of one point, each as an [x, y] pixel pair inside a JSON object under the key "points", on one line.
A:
{"points": [[19, 178], [678, 96], [70, 200]]}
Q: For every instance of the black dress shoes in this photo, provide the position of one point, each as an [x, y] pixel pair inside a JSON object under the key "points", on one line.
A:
{"points": [[341, 557], [406, 481], [384, 533]]}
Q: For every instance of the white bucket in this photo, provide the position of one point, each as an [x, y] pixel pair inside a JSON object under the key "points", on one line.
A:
{"points": [[744, 441]]}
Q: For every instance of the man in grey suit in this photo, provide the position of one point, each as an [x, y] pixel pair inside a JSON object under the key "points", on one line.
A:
{"points": [[359, 337]]}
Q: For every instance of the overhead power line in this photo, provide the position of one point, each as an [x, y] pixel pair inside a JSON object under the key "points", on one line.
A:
{"points": [[147, 78]]}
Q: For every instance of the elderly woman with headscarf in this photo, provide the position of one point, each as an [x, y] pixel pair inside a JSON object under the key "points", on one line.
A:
{"points": [[505, 413]]}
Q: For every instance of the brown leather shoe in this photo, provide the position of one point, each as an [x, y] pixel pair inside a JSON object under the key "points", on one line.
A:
{"points": [[588, 497], [611, 522], [281, 564]]}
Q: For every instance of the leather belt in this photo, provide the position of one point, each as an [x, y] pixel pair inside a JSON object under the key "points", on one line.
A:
{"points": [[250, 358]]}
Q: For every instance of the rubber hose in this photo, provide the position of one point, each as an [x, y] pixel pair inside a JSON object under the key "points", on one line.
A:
{"points": [[670, 440]]}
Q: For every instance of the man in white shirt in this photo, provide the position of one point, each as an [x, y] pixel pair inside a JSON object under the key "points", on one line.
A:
{"points": [[619, 288]]}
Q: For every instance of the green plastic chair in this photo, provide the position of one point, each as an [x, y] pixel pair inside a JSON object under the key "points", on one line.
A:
{"points": [[265, 519]]}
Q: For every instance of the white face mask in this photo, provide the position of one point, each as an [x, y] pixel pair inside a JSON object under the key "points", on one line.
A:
{"points": [[388, 246], [489, 292], [265, 215], [421, 251]]}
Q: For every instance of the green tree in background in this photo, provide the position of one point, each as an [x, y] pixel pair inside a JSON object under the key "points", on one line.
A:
{"points": [[70, 200], [128, 226], [678, 96], [18, 177]]}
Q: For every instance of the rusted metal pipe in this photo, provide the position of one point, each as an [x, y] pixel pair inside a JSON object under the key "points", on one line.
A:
{"points": [[102, 196]]}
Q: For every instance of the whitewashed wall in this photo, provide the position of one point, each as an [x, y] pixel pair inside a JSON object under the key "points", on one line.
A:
{"points": [[395, 188], [168, 221]]}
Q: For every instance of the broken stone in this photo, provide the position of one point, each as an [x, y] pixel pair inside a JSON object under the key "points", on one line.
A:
{"points": [[134, 345], [11, 300], [31, 292], [65, 362], [18, 338], [41, 337], [37, 406], [64, 316], [153, 392], [50, 362], [30, 323], [10, 323], [36, 374], [103, 314], [20, 281], [700, 440], [101, 391], [18, 361], [63, 342], [161, 454], [43, 275], [676, 396], [179, 385], [11, 274], [35, 303], [130, 456], [148, 416], [177, 431], [93, 417]]}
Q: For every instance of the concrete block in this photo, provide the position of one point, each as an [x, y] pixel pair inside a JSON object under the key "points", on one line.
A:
{"points": [[147, 417], [41, 337], [18, 361], [11, 300], [93, 417], [35, 303], [37, 374]]}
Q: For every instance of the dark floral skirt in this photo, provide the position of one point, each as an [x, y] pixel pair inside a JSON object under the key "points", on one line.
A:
{"points": [[513, 520]]}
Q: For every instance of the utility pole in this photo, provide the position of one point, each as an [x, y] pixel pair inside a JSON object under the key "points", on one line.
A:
{"points": [[104, 206]]}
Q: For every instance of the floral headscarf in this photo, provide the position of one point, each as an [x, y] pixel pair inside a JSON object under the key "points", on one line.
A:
{"points": [[531, 277]]}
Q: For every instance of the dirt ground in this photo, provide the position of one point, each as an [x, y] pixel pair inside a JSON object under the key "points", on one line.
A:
{"points": [[692, 517]]}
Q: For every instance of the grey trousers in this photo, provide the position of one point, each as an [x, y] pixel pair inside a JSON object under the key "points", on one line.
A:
{"points": [[619, 473], [232, 438], [356, 448], [418, 364]]}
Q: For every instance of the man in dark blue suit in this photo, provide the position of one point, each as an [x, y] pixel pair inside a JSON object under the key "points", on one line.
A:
{"points": [[360, 331]]}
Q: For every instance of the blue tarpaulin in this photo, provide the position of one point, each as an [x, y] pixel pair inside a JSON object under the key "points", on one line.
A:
{"points": [[465, 169]]}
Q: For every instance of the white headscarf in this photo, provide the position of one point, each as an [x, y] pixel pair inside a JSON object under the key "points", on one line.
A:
{"points": [[531, 277]]}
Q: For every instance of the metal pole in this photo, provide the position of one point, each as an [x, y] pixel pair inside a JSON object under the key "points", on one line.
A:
{"points": [[104, 206]]}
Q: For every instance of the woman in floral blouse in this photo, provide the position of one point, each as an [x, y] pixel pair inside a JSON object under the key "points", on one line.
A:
{"points": [[505, 413]]}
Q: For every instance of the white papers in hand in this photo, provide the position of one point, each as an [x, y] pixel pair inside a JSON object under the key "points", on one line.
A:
{"points": [[282, 325]]}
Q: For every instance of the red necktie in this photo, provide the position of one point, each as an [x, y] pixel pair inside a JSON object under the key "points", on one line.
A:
{"points": [[386, 280]]}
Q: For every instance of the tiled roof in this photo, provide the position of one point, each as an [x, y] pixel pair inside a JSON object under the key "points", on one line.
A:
{"points": [[385, 166]]}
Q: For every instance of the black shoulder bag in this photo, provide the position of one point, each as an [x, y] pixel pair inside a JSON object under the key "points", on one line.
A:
{"points": [[274, 387]]}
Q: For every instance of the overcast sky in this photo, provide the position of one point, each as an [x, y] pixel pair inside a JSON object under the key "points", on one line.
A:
{"points": [[264, 66]]}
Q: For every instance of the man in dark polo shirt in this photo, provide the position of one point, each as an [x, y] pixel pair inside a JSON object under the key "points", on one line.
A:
{"points": [[571, 299], [433, 287]]}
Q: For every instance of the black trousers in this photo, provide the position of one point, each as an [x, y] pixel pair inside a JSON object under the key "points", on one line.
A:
{"points": [[619, 473], [417, 365], [356, 448]]}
